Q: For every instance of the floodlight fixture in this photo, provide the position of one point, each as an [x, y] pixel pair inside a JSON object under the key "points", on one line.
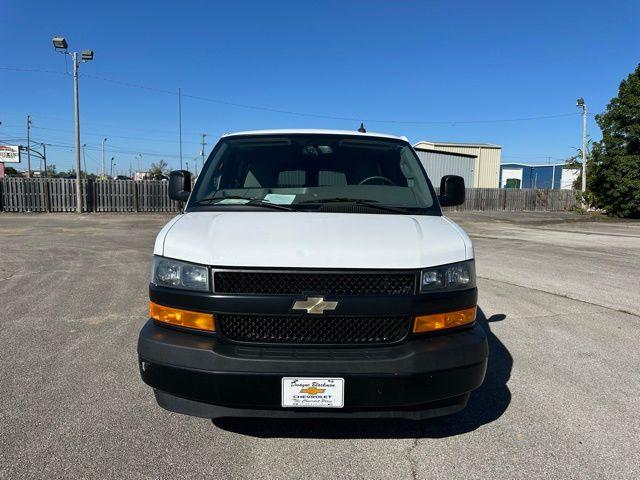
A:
{"points": [[87, 55], [60, 43]]}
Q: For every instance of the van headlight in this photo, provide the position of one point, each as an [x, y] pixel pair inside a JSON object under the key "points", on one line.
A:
{"points": [[455, 276], [171, 273]]}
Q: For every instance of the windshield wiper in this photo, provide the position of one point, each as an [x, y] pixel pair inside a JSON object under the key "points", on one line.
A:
{"points": [[253, 201], [223, 197], [356, 201], [258, 202]]}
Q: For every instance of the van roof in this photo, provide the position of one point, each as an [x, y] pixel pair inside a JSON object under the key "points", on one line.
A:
{"points": [[313, 131]]}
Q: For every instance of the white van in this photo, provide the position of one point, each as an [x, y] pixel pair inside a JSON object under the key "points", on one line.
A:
{"points": [[313, 274]]}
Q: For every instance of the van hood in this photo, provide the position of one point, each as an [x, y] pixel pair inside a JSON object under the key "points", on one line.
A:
{"points": [[313, 240]]}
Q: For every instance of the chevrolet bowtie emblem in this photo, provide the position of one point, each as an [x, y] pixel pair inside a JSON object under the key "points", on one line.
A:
{"points": [[314, 305], [313, 390]]}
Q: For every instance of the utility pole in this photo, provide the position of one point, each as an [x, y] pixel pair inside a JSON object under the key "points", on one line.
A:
{"points": [[44, 158], [580, 103], [28, 147], [553, 174], [112, 166], [180, 122], [84, 159], [102, 162], [202, 151]]}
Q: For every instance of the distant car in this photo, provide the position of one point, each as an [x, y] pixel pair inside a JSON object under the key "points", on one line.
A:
{"points": [[121, 177]]}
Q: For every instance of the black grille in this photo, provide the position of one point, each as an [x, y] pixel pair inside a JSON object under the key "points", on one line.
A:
{"points": [[329, 283], [299, 329]]}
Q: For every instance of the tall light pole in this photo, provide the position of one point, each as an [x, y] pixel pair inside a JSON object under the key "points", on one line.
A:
{"points": [[102, 161], [60, 44], [580, 104], [112, 165]]}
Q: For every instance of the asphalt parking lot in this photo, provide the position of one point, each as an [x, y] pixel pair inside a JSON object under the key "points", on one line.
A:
{"points": [[559, 296]]}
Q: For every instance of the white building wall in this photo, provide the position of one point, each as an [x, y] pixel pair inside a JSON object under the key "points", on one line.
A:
{"points": [[569, 176], [511, 173]]}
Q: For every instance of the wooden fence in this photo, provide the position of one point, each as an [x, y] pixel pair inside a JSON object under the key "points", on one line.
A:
{"points": [[40, 195], [516, 200], [59, 195]]}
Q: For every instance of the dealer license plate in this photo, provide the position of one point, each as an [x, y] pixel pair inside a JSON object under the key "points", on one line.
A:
{"points": [[313, 392]]}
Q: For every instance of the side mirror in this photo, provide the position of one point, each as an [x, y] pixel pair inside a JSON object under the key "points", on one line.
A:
{"points": [[451, 191], [179, 185]]}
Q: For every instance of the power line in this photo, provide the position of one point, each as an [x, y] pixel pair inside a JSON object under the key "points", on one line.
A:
{"points": [[32, 70], [21, 139], [118, 127], [130, 84], [56, 143], [97, 148], [309, 114], [374, 120], [334, 117], [116, 136]]}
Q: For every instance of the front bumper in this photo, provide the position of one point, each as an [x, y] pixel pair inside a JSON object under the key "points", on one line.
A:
{"points": [[419, 378]]}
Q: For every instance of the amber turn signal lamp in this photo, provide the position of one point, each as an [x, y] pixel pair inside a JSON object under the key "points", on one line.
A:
{"points": [[441, 321], [182, 318]]}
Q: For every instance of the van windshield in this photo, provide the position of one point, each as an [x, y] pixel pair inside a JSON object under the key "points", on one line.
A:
{"points": [[330, 173]]}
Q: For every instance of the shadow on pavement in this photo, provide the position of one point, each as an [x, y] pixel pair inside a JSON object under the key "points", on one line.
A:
{"points": [[486, 404]]}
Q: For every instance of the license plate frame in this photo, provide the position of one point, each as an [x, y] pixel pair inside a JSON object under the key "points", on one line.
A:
{"points": [[312, 392]]}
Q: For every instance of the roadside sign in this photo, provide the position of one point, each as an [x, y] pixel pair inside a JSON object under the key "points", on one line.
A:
{"points": [[9, 154]]}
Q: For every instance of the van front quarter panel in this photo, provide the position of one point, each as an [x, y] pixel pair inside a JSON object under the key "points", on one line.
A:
{"points": [[312, 274]]}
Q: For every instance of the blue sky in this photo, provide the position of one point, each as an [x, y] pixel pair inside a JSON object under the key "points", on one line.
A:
{"points": [[442, 63]]}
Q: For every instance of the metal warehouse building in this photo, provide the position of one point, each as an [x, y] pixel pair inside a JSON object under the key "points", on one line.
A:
{"points": [[438, 164], [477, 163], [519, 175]]}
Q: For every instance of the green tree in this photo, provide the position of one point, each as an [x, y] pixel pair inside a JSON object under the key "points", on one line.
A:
{"points": [[158, 170], [51, 170], [71, 172], [614, 177], [574, 162], [10, 171]]}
